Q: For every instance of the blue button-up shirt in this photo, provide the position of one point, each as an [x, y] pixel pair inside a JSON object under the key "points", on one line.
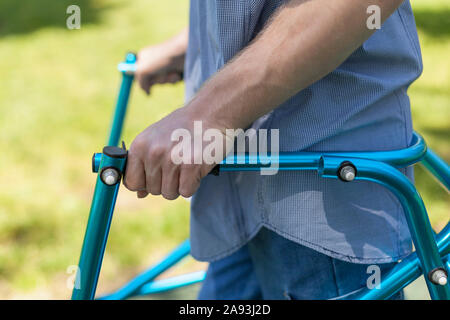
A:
{"points": [[362, 105]]}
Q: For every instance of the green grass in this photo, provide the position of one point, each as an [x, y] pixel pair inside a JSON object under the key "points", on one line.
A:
{"points": [[430, 99], [58, 89], [56, 99]]}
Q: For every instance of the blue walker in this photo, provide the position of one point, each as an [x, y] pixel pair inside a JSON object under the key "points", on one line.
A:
{"points": [[432, 251]]}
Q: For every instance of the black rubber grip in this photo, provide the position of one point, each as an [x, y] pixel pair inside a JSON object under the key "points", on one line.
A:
{"points": [[115, 152], [215, 171]]}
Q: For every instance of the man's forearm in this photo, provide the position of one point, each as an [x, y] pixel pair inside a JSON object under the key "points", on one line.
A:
{"points": [[305, 41]]}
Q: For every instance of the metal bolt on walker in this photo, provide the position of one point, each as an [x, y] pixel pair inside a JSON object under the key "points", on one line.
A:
{"points": [[347, 171], [439, 277], [110, 176]]}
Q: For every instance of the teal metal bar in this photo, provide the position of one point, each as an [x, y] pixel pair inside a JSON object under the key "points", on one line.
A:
{"points": [[408, 270], [171, 283], [443, 240], [447, 262], [416, 215], [134, 285], [127, 68], [102, 207], [373, 166], [310, 160], [438, 168]]}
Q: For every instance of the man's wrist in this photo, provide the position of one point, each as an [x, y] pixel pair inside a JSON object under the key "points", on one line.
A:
{"points": [[178, 44]]}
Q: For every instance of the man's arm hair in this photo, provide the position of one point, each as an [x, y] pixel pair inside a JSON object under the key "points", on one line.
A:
{"points": [[303, 42]]}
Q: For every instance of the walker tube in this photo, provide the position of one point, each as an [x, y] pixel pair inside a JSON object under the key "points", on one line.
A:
{"points": [[438, 168], [122, 99], [416, 216], [100, 216]]}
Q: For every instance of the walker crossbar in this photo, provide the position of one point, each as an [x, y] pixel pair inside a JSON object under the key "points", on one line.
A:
{"points": [[431, 257]]}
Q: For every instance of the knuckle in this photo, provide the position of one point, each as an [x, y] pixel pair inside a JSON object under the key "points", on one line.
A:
{"points": [[154, 190], [142, 83], [170, 196], [185, 191], [156, 151], [130, 184], [136, 145], [189, 181]]}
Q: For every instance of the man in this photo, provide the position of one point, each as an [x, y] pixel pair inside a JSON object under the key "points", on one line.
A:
{"points": [[315, 71]]}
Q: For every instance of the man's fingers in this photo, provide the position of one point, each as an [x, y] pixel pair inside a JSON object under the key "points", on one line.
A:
{"points": [[189, 182], [161, 78], [135, 175], [153, 180], [170, 179], [173, 77], [145, 82], [142, 194]]}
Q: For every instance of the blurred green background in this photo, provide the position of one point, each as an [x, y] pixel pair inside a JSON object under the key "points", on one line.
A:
{"points": [[56, 98]]}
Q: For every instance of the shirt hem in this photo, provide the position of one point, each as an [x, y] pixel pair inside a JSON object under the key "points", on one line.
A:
{"points": [[313, 246]]}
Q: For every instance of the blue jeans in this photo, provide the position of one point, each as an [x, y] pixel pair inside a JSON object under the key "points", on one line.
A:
{"points": [[272, 267]]}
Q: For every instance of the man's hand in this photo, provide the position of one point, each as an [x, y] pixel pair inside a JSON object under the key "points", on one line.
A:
{"points": [[162, 63], [150, 168], [304, 42]]}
